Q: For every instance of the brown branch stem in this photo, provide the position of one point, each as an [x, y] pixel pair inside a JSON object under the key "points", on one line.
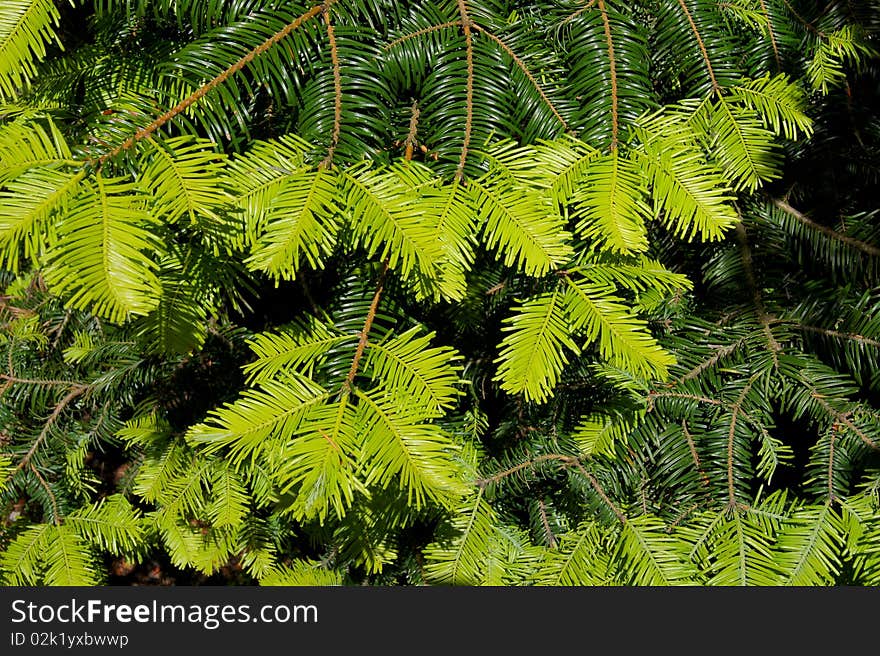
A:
{"points": [[469, 89], [368, 323], [522, 66], [864, 247]]}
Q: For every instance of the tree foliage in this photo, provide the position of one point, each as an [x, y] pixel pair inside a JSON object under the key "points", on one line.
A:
{"points": [[473, 293]]}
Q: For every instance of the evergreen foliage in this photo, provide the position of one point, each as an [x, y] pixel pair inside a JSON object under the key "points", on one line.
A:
{"points": [[471, 292]]}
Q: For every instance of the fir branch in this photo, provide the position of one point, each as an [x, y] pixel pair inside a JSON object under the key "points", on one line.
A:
{"points": [[654, 394], [862, 246], [575, 14], [410, 141], [772, 34], [545, 524], [736, 409], [469, 89], [861, 339], [843, 418], [365, 331], [337, 91], [522, 66], [612, 72], [763, 318], [75, 392], [710, 362], [418, 33], [209, 86], [56, 517], [705, 53], [693, 449]]}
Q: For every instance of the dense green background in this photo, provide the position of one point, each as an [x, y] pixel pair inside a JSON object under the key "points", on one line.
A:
{"points": [[556, 293]]}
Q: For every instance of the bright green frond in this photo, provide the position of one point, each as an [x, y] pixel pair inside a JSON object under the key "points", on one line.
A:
{"points": [[111, 524], [778, 101], [520, 223], [101, 260], [317, 469], [648, 554], [183, 175], [261, 418], [27, 206], [68, 561], [385, 217], [738, 143], [296, 350], [302, 572], [299, 222], [396, 444]]}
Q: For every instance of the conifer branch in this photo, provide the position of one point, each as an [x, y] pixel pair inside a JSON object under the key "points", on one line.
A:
{"points": [[410, 142], [209, 86], [418, 33], [74, 393], [764, 319], [469, 89], [522, 66], [612, 72], [736, 409], [653, 394], [709, 362], [715, 87], [575, 14], [56, 518], [855, 337], [831, 441], [693, 449], [601, 492], [825, 230], [807, 24], [772, 34], [533, 462], [337, 91], [365, 331], [545, 524], [843, 418]]}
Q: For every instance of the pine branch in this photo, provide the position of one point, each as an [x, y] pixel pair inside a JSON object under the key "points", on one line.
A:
{"points": [[209, 86]]}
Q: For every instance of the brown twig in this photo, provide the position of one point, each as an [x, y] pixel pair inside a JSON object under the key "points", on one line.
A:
{"points": [[612, 66], [410, 143], [368, 323], [763, 318], [715, 87], [864, 247], [418, 33], [337, 91], [56, 412]]}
